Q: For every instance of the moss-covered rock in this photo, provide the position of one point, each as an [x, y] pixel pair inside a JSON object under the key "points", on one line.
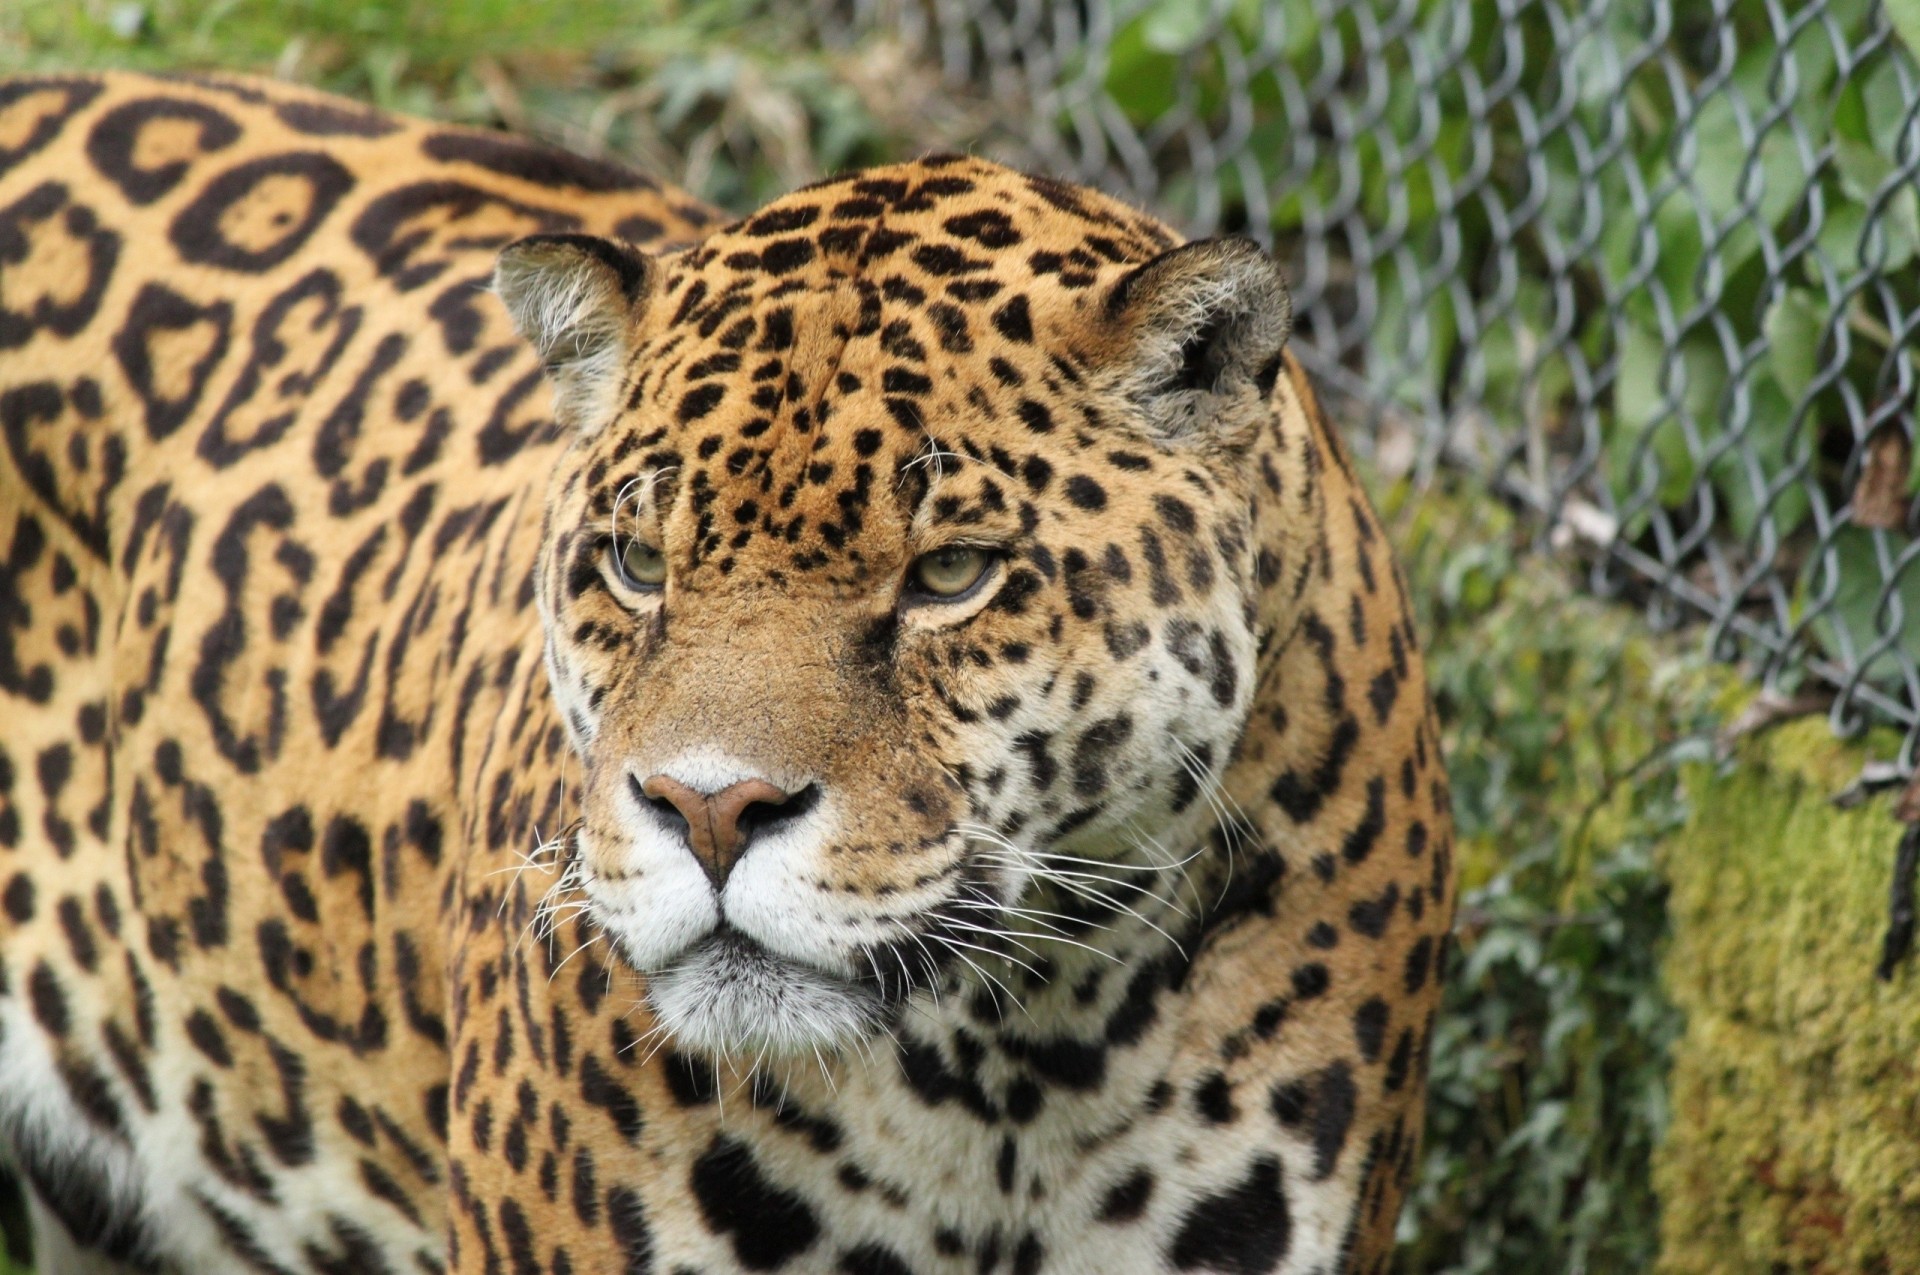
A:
{"points": [[1795, 1091]]}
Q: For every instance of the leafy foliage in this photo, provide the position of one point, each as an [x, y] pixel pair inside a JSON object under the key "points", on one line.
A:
{"points": [[1682, 244], [1564, 726]]}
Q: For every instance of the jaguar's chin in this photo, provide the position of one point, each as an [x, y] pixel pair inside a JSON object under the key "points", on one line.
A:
{"points": [[729, 997]]}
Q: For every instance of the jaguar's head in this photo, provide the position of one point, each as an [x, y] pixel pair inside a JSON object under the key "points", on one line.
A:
{"points": [[904, 554]]}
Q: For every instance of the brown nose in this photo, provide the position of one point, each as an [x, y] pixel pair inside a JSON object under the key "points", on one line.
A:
{"points": [[719, 824]]}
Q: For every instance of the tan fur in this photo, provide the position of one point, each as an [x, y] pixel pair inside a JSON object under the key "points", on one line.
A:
{"points": [[296, 970]]}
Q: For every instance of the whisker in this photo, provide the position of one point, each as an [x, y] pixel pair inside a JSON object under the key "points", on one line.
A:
{"points": [[992, 932], [984, 975], [1235, 827], [659, 1029], [950, 941], [1025, 857], [1016, 935], [1076, 882], [594, 937], [1037, 916]]}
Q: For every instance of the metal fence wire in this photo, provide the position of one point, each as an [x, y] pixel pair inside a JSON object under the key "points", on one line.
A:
{"points": [[1647, 266]]}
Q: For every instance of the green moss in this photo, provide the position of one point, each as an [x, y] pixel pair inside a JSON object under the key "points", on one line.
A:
{"points": [[1586, 787], [1795, 1136]]}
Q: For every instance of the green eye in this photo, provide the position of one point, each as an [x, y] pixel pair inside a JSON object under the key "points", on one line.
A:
{"points": [[641, 565], [949, 572]]}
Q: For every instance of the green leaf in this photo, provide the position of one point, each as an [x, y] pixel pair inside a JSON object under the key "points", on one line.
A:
{"points": [[1748, 474], [1296, 22], [1595, 66], [1794, 325], [1654, 391], [1904, 15], [1174, 26], [1864, 174], [1773, 183], [1140, 78], [1883, 96], [1855, 621]]}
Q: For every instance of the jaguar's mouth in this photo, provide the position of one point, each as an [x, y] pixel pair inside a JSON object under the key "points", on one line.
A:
{"points": [[728, 996]]}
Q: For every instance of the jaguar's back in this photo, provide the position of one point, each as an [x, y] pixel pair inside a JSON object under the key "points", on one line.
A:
{"points": [[265, 477]]}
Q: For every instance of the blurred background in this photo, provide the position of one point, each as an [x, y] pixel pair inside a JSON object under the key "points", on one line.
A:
{"points": [[1619, 301]]}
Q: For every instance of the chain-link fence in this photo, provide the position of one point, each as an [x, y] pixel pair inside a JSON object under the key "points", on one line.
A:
{"points": [[1648, 266]]}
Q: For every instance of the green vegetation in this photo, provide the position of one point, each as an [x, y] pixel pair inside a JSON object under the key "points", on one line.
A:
{"points": [[1565, 726], [1748, 1068], [1695, 205]]}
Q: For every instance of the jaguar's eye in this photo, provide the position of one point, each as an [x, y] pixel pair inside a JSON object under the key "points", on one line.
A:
{"points": [[947, 573], [639, 564]]}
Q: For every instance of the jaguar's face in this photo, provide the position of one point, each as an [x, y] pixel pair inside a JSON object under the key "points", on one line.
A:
{"points": [[872, 594]]}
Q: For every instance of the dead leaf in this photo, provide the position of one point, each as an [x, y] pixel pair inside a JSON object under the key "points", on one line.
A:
{"points": [[1880, 497], [1907, 808]]}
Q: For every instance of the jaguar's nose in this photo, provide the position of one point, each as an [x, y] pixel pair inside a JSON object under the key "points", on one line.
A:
{"points": [[719, 826]]}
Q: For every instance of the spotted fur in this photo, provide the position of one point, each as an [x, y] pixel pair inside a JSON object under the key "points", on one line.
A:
{"points": [[1101, 925]]}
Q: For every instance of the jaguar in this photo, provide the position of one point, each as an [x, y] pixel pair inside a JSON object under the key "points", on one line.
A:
{"points": [[548, 730]]}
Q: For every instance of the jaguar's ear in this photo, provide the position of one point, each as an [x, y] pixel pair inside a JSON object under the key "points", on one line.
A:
{"points": [[1200, 326], [577, 300]]}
